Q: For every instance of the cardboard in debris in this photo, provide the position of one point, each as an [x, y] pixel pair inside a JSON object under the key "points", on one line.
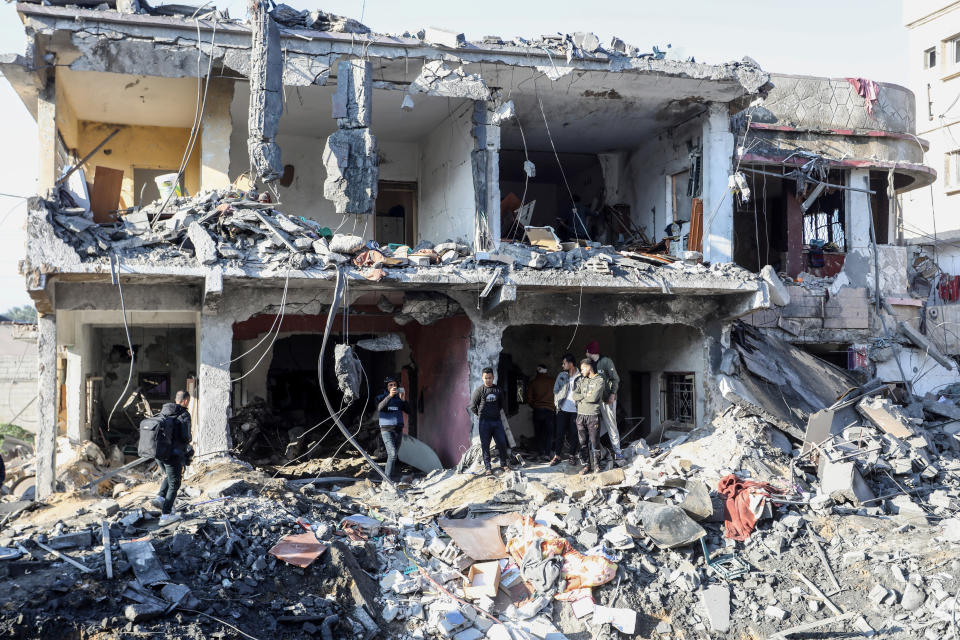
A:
{"points": [[299, 549], [483, 579], [543, 237]]}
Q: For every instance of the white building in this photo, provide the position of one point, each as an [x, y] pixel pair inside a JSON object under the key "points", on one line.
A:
{"points": [[930, 220]]}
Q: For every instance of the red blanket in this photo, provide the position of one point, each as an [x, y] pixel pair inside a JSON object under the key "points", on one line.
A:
{"points": [[738, 517]]}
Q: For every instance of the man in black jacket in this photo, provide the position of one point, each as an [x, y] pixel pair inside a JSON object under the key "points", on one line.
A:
{"points": [[486, 403], [391, 406], [179, 458]]}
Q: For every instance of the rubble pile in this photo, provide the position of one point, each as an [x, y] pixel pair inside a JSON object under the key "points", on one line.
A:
{"points": [[241, 229], [731, 528]]}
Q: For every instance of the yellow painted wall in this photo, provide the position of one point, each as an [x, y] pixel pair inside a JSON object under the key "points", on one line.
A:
{"points": [[67, 123], [137, 147]]}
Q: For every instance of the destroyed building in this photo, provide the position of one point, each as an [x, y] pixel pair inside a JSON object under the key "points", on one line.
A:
{"points": [[425, 170], [277, 212]]}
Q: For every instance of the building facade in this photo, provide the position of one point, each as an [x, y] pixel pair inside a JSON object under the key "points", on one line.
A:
{"points": [[435, 153]]}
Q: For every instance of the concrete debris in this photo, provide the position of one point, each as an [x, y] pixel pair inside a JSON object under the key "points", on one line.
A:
{"points": [[443, 37], [386, 342], [316, 20], [436, 79], [266, 95], [349, 372]]}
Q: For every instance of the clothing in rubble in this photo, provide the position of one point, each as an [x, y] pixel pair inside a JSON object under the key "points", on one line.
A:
{"points": [[745, 501], [486, 403], [540, 399]]}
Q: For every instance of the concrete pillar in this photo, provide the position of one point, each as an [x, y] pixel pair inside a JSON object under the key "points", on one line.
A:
{"points": [[46, 439], [486, 173], [211, 431], [47, 137], [484, 350], [858, 210], [77, 427], [215, 137], [718, 147]]}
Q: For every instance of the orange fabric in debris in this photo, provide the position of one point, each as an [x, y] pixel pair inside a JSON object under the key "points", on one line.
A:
{"points": [[737, 516], [579, 570]]}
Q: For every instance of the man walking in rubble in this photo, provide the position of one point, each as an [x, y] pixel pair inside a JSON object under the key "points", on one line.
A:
{"points": [[391, 405], [486, 403], [540, 399], [588, 394], [181, 453], [565, 425], [608, 409]]}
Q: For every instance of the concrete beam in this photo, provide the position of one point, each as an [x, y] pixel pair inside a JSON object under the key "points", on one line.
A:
{"points": [[78, 296], [211, 430], [46, 439]]}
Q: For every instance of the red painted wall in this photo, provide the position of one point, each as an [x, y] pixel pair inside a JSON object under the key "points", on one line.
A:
{"points": [[440, 351]]}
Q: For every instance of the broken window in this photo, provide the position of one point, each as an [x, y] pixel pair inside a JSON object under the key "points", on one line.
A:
{"points": [[930, 58], [678, 397], [823, 228]]}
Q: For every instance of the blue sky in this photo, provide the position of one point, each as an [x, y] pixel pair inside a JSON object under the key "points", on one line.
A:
{"points": [[816, 37]]}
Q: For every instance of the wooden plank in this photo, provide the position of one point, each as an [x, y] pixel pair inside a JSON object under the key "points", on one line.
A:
{"points": [[695, 236], [105, 196], [64, 557]]}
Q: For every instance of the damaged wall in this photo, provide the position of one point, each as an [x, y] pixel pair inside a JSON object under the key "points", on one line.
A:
{"points": [[18, 374], [138, 148], [447, 206]]}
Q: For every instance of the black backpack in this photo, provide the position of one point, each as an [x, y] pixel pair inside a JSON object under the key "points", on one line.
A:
{"points": [[156, 438]]}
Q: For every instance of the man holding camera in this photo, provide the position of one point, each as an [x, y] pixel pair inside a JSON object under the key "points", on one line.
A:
{"points": [[391, 405]]}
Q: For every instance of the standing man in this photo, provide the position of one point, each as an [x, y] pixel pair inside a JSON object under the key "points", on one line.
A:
{"points": [[178, 418], [486, 403], [588, 394], [566, 422], [391, 405], [540, 399], [608, 410]]}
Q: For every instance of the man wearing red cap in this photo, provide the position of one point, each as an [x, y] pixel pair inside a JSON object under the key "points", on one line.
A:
{"points": [[608, 410]]}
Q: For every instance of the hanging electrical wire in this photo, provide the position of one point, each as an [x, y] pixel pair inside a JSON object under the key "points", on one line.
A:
{"points": [[126, 329], [279, 325], [337, 298], [276, 319], [198, 109], [563, 173]]}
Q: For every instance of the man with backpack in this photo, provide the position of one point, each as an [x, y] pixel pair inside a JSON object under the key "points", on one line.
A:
{"points": [[166, 437]]}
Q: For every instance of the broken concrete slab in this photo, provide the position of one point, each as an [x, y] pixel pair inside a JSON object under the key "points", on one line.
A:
{"points": [[444, 37], [843, 483], [437, 79], [143, 558], [778, 292], [886, 416], [203, 245], [716, 604], [350, 158], [668, 526]]}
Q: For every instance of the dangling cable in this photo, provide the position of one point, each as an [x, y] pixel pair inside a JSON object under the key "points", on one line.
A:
{"points": [[126, 329]]}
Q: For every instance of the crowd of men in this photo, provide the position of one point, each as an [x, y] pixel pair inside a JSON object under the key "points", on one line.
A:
{"points": [[575, 408]]}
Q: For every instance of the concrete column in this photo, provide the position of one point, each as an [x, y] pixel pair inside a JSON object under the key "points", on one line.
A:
{"points": [[858, 210], [47, 137], [211, 431], [77, 427], [215, 137], [46, 440], [486, 172], [484, 350], [718, 147]]}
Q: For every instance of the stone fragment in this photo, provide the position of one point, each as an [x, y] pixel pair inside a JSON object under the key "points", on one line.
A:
{"points": [[716, 604], [203, 245], [776, 613], [842, 482], [913, 597]]}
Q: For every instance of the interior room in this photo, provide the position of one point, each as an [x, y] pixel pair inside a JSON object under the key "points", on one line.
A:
{"points": [[425, 180], [662, 370]]}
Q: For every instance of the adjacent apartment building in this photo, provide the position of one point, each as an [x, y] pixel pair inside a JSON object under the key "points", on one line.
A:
{"points": [[414, 177]]}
